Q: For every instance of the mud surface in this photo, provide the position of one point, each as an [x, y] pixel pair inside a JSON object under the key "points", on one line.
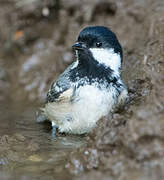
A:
{"points": [[35, 47]]}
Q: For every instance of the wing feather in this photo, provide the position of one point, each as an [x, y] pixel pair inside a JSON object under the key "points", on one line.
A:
{"points": [[63, 88]]}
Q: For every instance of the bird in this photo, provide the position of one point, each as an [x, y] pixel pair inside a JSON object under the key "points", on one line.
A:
{"points": [[91, 87]]}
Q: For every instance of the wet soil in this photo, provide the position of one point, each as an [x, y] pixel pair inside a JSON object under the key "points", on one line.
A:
{"points": [[35, 47]]}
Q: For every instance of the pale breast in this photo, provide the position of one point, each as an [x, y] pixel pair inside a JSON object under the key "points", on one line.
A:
{"points": [[93, 104], [81, 115]]}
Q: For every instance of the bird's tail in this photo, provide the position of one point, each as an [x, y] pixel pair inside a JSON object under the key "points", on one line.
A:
{"points": [[41, 116]]}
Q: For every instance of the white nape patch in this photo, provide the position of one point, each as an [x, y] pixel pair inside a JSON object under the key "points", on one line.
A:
{"points": [[107, 57]]}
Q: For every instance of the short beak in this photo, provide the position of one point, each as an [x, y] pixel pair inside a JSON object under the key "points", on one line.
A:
{"points": [[79, 46]]}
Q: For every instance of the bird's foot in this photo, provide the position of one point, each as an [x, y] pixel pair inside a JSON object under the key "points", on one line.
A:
{"points": [[54, 127]]}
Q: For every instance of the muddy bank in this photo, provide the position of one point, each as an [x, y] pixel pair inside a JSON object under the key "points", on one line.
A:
{"points": [[37, 48]]}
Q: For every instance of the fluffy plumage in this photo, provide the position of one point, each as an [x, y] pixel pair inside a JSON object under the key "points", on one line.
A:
{"points": [[91, 87]]}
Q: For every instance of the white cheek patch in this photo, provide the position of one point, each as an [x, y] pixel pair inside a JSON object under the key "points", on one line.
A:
{"points": [[107, 57]]}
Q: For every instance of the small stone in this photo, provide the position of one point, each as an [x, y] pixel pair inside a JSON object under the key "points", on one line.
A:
{"points": [[35, 158], [20, 137], [33, 146], [86, 152], [45, 11]]}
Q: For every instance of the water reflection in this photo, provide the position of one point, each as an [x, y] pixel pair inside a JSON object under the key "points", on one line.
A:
{"points": [[29, 147]]}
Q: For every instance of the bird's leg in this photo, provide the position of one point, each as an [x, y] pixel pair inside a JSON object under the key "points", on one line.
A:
{"points": [[54, 127]]}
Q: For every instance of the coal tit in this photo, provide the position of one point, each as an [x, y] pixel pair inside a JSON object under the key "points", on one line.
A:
{"points": [[91, 87]]}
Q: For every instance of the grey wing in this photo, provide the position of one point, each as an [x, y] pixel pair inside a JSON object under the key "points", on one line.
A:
{"points": [[62, 89]]}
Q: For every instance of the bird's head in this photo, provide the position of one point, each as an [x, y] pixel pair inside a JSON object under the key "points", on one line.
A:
{"points": [[99, 44]]}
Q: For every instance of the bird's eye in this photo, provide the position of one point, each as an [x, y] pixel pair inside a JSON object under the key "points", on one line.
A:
{"points": [[98, 44]]}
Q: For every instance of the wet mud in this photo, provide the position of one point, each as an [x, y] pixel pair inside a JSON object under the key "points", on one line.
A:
{"points": [[35, 47]]}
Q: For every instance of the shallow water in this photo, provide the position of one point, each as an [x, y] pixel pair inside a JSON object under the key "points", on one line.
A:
{"points": [[30, 147]]}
